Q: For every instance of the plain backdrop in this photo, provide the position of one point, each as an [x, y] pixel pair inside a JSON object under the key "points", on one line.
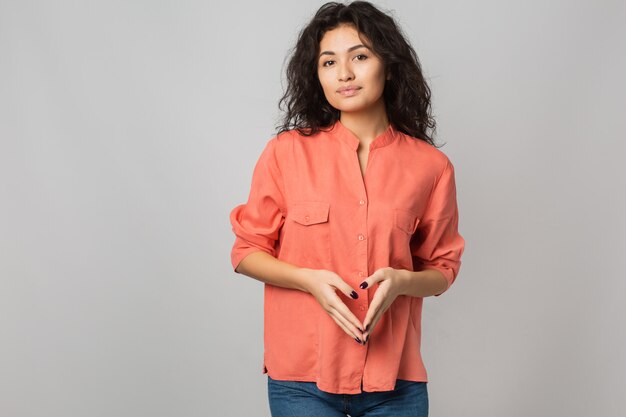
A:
{"points": [[130, 129]]}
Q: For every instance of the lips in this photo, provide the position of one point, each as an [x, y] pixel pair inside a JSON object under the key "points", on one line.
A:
{"points": [[348, 91]]}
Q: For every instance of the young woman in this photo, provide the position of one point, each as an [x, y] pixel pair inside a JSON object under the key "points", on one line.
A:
{"points": [[350, 222]]}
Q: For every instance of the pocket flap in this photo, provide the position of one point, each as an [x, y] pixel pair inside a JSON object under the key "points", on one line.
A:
{"points": [[309, 212], [406, 220]]}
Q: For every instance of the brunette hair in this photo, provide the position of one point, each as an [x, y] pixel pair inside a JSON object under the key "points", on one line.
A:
{"points": [[406, 93]]}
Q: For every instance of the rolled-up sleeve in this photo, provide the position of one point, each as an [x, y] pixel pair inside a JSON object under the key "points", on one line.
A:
{"points": [[257, 223], [437, 243]]}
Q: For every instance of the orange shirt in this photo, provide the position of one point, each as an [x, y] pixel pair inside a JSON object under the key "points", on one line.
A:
{"points": [[309, 205]]}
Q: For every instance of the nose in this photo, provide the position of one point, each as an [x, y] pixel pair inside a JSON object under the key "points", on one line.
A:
{"points": [[345, 72]]}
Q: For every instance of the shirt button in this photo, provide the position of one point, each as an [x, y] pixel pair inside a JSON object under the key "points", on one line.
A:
{"points": [[362, 308], [362, 202], [361, 273], [361, 237], [306, 218]]}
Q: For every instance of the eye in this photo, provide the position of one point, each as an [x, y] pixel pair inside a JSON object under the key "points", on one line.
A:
{"points": [[326, 62], [361, 55]]}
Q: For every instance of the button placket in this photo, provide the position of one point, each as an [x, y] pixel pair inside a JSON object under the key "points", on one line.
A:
{"points": [[363, 303]]}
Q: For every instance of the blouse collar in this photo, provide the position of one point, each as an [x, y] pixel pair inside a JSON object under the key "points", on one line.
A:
{"points": [[346, 135]]}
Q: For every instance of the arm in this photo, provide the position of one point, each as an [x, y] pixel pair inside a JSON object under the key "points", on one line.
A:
{"points": [[437, 245], [265, 268], [396, 282], [421, 283], [320, 283], [257, 225]]}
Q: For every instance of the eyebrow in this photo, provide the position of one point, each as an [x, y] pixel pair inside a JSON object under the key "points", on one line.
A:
{"points": [[350, 49]]}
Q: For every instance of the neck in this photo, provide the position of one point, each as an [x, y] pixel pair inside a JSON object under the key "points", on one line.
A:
{"points": [[366, 126]]}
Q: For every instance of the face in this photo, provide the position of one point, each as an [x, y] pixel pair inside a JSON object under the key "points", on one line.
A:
{"points": [[352, 77]]}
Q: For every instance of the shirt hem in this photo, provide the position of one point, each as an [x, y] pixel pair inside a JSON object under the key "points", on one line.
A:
{"points": [[332, 389]]}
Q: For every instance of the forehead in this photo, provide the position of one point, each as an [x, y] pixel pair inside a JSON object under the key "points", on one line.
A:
{"points": [[341, 38]]}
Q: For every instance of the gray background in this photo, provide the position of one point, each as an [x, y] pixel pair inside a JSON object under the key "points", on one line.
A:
{"points": [[129, 130]]}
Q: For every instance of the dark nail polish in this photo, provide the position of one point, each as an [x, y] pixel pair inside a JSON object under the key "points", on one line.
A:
{"points": [[363, 285], [366, 339], [367, 327], [354, 295], [358, 340]]}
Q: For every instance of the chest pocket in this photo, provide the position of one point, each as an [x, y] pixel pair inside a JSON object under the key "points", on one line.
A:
{"points": [[310, 212], [308, 241], [406, 220], [405, 225]]}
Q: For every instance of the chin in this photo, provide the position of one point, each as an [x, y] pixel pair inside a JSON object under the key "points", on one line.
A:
{"points": [[350, 107]]}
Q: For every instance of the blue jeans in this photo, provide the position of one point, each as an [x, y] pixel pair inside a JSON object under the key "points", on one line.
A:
{"points": [[304, 399]]}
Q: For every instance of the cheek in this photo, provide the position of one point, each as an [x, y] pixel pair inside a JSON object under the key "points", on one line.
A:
{"points": [[323, 82], [326, 87], [380, 76]]}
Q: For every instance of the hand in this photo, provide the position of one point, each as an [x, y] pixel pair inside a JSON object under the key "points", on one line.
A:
{"points": [[389, 288], [322, 286]]}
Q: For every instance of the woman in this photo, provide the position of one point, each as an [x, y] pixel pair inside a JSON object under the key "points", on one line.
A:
{"points": [[351, 220]]}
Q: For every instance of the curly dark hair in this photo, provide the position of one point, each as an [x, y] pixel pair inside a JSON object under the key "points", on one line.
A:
{"points": [[406, 93]]}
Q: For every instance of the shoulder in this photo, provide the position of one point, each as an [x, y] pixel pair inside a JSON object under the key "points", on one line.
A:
{"points": [[280, 141], [279, 146], [286, 137], [294, 135], [424, 153], [288, 141]]}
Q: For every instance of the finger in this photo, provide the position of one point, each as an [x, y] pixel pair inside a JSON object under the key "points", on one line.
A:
{"points": [[345, 326], [372, 279], [341, 325], [345, 312], [372, 326], [370, 317], [343, 286], [342, 309], [373, 309], [349, 320], [374, 314]]}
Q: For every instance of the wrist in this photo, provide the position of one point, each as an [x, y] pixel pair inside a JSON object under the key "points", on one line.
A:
{"points": [[406, 281], [303, 279]]}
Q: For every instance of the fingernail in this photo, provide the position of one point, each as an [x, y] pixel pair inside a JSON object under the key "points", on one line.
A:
{"points": [[354, 295], [366, 339], [366, 327], [363, 285], [358, 340]]}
